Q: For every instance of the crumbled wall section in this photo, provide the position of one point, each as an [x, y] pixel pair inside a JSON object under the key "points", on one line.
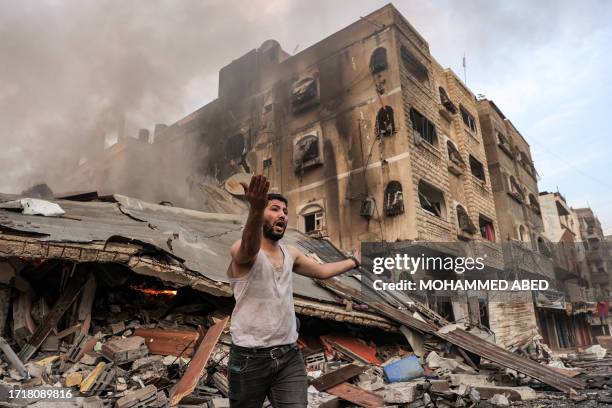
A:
{"points": [[512, 322]]}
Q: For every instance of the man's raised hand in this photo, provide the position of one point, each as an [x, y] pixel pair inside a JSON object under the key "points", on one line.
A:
{"points": [[256, 192]]}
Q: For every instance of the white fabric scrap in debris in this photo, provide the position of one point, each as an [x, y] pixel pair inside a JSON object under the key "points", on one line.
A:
{"points": [[34, 206]]}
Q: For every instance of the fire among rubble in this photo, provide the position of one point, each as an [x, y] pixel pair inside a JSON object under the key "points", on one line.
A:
{"points": [[155, 292]]}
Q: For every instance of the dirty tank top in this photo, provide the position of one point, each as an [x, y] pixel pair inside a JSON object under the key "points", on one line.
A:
{"points": [[264, 315]]}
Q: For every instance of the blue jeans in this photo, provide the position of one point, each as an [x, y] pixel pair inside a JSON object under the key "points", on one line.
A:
{"points": [[275, 372]]}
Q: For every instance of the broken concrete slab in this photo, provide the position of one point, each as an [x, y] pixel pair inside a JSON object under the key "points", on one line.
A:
{"points": [[123, 350], [512, 393]]}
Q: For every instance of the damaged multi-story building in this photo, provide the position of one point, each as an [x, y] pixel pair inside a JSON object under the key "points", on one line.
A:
{"points": [[371, 140]]}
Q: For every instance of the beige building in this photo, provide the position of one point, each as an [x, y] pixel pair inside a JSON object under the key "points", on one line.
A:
{"points": [[370, 139]]}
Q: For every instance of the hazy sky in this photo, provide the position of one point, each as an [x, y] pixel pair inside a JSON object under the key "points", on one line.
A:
{"points": [[71, 70]]}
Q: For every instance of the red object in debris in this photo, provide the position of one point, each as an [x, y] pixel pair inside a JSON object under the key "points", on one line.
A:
{"points": [[352, 347], [603, 308], [196, 368], [357, 395]]}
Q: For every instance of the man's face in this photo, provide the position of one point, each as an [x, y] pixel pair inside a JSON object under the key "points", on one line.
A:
{"points": [[275, 220]]}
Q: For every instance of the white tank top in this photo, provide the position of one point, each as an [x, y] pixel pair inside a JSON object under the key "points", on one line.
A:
{"points": [[264, 315]]}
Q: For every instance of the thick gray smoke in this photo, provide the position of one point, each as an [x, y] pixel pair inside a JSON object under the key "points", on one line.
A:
{"points": [[73, 74]]}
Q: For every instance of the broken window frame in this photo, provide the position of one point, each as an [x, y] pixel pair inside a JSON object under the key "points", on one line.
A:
{"points": [[477, 169], [385, 121], [423, 128], [378, 60], [464, 222], [486, 227], [393, 199], [515, 189], [504, 144], [318, 219], [468, 119], [446, 101], [304, 94], [534, 204], [300, 163], [453, 153], [415, 68], [430, 204]]}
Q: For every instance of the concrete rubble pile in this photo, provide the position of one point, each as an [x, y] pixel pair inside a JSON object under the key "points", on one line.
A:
{"points": [[131, 314]]}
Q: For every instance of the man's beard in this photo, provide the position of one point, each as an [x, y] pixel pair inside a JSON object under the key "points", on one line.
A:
{"points": [[268, 232]]}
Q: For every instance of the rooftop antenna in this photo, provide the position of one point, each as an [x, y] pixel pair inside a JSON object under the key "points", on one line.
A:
{"points": [[464, 69]]}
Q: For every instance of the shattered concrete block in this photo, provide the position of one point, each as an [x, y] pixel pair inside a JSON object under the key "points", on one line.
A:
{"points": [[400, 393], [499, 400], [220, 403], [90, 358], [512, 393], [142, 398], [123, 350], [469, 379]]}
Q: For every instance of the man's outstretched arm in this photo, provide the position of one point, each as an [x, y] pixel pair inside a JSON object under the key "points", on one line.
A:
{"points": [[244, 251], [307, 266]]}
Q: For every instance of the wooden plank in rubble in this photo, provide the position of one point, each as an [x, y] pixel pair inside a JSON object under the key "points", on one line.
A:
{"points": [[63, 303], [197, 366]]}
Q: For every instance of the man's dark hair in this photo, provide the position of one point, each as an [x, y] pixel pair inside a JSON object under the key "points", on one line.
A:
{"points": [[279, 197]]}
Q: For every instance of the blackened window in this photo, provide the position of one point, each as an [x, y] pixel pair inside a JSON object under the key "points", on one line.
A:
{"points": [[234, 149], [422, 127], [378, 60], [445, 100], [468, 118], [414, 66], [431, 199], [385, 123], [453, 153], [477, 168], [394, 199], [463, 220]]}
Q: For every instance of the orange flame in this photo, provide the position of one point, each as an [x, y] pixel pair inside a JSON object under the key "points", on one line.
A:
{"points": [[155, 292]]}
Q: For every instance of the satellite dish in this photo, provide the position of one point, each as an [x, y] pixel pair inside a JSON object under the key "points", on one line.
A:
{"points": [[232, 184]]}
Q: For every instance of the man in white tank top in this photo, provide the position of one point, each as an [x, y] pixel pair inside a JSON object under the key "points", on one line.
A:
{"points": [[264, 358]]}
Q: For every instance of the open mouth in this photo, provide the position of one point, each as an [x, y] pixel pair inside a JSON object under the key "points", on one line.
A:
{"points": [[279, 225]]}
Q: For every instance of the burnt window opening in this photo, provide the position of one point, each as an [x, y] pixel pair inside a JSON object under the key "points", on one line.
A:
{"points": [[367, 208], [267, 163], [543, 248], [385, 122], [423, 128], [477, 168], [414, 66], [453, 154], [446, 101], [394, 199], [534, 204], [515, 189], [468, 118], [235, 147], [463, 220], [307, 153], [378, 60], [431, 199], [504, 144], [304, 94], [486, 228]]}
